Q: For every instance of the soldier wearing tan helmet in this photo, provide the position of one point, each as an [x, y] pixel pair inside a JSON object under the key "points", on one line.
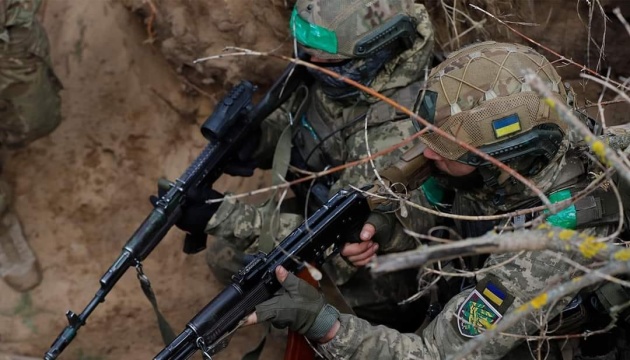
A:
{"points": [[383, 44], [479, 95], [29, 109]]}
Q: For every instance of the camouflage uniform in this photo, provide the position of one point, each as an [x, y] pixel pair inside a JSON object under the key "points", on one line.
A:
{"points": [[236, 225], [526, 276], [530, 273], [29, 109]]}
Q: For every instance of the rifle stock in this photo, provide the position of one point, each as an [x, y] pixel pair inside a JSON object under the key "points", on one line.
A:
{"points": [[227, 129]]}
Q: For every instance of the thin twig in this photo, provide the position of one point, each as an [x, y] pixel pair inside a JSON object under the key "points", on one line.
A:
{"points": [[554, 294], [602, 150], [563, 58], [403, 109]]}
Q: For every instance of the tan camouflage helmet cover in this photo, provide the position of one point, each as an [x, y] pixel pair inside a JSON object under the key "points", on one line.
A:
{"points": [[481, 88], [348, 22]]}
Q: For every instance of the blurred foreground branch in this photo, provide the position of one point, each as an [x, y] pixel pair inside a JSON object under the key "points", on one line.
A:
{"points": [[542, 238]]}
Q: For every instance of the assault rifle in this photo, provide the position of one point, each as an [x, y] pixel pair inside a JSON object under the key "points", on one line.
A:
{"points": [[319, 237], [227, 130]]}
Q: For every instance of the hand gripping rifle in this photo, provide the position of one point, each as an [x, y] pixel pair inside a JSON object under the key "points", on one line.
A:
{"points": [[319, 237], [227, 129]]}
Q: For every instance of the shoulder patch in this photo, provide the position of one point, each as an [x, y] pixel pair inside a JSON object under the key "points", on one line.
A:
{"points": [[476, 315], [494, 292], [483, 308]]}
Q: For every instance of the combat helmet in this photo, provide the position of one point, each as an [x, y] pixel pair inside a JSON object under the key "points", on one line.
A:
{"points": [[479, 95], [359, 36], [339, 30]]}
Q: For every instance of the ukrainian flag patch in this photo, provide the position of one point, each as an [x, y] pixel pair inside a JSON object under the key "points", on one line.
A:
{"points": [[483, 308], [506, 126], [494, 294]]}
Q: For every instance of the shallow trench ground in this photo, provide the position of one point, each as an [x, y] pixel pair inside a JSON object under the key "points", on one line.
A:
{"points": [[131, 115], [83, 190]]}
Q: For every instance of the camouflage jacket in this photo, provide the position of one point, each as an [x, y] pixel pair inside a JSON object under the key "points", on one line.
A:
{"points": [[515, 282], [521, 278], [240, 223]]}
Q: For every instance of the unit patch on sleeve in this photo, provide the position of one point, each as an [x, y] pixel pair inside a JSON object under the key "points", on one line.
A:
{"points": [[483, 308]]}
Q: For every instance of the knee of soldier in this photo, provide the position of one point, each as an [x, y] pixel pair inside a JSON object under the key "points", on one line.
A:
{"points": [[24, 122], [224, 259]]}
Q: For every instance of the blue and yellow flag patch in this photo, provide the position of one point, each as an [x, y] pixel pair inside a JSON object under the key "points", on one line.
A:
{"points": [[483, 308], [506, 126], [494, 294]]}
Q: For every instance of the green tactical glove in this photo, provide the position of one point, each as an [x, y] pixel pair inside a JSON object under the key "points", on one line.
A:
{"points": [[300, 307]]}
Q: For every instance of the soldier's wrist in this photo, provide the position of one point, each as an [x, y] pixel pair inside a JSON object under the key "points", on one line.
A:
{"points": [[324, 323], [331, 333]]}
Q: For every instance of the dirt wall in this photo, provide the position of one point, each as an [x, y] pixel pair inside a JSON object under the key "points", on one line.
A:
{"points": [[186, 30], [132, 105]]}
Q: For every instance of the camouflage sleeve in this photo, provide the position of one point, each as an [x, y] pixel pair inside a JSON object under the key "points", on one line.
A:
{"points": [[357, 339], [499, 291], [241, 223], [237, 222]]}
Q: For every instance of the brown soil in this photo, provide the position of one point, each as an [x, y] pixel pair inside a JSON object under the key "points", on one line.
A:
{"points": [[83, 190], [132, 106]]}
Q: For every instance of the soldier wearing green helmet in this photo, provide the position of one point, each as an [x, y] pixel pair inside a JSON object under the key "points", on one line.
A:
{"points": [[383, 44], [29, 109], [479, 96]]}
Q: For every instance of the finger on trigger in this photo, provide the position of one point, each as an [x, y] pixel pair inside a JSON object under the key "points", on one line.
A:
{"points": [[362, 256], [363, 262], [355, 249]]}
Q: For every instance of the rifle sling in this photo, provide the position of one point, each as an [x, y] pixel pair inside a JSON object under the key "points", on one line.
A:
{"points": [[254, 354], [168, 335], [271, 220]]}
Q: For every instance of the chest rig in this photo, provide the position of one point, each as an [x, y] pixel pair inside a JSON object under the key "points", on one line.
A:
{"points": [[321, 128]]}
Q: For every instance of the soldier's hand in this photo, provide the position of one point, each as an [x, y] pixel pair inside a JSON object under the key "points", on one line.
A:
{"points": [[196, 212], [359, 254], [376, 233], [300, 307], [244, 164]]}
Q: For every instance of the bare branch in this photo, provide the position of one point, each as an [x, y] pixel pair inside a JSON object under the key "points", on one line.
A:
{"points": [[563, 58], [544, 299], [542, 238], [427, 125], [607, 155]]}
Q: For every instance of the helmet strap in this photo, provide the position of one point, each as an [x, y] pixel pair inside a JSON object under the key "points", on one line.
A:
{"points": [[360, 70], [490, 175]]}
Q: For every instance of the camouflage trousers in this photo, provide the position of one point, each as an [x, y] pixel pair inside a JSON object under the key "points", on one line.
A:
{"points": [[30, 108]]}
